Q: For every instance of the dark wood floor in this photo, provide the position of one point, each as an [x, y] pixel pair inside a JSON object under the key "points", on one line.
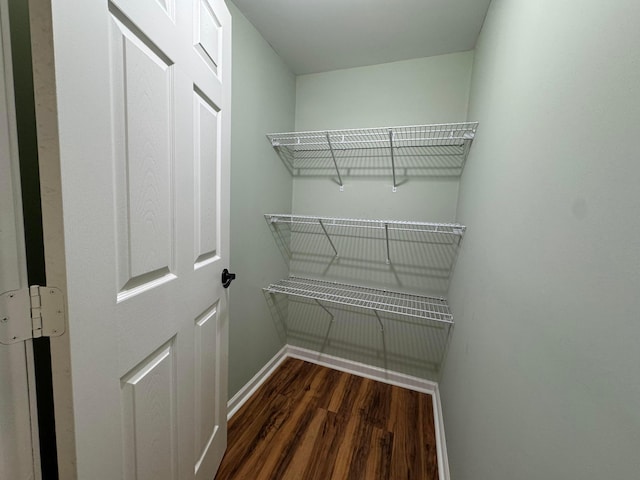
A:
{"points": [[310, 422]]}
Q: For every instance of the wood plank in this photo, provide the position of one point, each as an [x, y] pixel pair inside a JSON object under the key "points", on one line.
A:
{"points": [[338, 393], [314, 423], [352, 415], [298, 465], [428, 435], [361, 446], [284, 447], [325, 393], [325, 450], [376, 409], [407, 448], [246, 445], [379, 460]]}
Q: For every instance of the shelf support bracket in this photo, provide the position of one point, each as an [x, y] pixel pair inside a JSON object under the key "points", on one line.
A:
{"points": [[466, 147], [328, 237], [386, 234], [379, 321], [325, 309], [335, 164], [393, 161]]}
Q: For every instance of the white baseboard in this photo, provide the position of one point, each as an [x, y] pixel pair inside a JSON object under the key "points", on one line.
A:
{"points": [[363, 370], [355, 368], [441, 441], [239, 399]]}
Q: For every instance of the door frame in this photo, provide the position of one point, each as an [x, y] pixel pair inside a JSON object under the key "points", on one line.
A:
{"points": [[53, 362], [23, 161]]}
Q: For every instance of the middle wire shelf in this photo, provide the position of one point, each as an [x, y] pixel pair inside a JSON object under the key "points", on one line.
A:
{"points": [[405, 304], [389, 229]]}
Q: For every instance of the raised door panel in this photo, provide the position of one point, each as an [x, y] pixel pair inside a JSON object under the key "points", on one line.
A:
{"points": [[143, 126], [168, 6], [149, 418], [206, 382], [206, 133], [208, 33], [210, 39]]}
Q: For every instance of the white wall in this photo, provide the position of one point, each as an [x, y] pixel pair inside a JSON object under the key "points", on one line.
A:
{"points": [[263, 98], [542, 379]]}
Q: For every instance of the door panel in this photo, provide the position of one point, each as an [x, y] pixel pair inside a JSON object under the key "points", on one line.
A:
{"points": [[208, 32], [206, 419], [143, 122], [144, 153], [207, 131], [149, 418]]}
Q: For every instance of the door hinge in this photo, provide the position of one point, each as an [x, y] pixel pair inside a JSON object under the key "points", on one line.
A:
{"points": [[31, 313]]}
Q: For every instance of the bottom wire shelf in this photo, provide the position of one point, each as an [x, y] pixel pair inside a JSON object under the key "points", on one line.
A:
{"points": [[417, 306]]}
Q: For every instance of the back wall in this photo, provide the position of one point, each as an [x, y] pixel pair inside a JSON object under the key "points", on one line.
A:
{"points": [[419, 91]]}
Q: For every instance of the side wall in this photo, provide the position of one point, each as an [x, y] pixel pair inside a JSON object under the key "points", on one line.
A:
{"points": [[541, 380], [263, 101], [419, 91]]}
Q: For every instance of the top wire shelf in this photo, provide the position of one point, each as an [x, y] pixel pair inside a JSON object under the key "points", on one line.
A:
{"points": [[454, 229], [438, 149]]}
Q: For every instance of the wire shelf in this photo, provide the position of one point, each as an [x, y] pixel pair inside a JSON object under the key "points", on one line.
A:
{"points": [[417, 306], [335, 230], [450, 229], [438, 149]]}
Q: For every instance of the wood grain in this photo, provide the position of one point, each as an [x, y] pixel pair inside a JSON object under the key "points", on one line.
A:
{"points": [[308, 422]]}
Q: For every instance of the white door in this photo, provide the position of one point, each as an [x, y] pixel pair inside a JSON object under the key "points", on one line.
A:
{"points": [[19, 458], [143, 105]]}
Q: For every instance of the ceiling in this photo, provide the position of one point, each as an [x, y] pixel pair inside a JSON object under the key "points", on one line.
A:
{"points": [[320, 35]]}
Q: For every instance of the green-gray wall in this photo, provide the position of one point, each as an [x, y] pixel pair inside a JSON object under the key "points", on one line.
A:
{"points": [[542, 379], [263, 101], [419, 91]]}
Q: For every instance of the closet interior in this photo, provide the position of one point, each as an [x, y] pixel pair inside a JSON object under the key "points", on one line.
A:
{"points": [[348, 271]]}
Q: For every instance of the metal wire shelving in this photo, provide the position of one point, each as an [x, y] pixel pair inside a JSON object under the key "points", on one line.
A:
{"points": [[405, 304], [437, 149], [387, 228], [391, 225]]}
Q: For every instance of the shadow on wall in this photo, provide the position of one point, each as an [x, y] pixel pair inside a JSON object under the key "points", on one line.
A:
{"points": [[406, 260], [403, 260], [446, 161]]}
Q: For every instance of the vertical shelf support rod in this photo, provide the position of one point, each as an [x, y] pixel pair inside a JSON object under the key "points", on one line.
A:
{"points": [[333, 156], [466, 146], [328, 237], [393, 163], [386, 234]]}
